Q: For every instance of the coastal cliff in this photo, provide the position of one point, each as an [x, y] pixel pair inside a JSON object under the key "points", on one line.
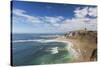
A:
{"points": [[84, 43]]}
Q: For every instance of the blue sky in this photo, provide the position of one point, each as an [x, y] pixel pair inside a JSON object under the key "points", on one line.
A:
{"points": [[36, 17]]}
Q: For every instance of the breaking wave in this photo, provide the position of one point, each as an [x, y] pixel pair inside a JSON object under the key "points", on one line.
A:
{"points": [[54, 50], [38, 40]]}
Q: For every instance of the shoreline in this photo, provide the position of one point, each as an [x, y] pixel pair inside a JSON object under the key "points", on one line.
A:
{"points": [[82, 50]]}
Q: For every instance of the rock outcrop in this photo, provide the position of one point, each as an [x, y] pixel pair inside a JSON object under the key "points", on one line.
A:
{"points": [[85, 43]]}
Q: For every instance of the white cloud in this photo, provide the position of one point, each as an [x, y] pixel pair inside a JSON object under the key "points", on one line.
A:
{"points": [[80, 13], [86, 11], [93, 11], [78, 22], [35, 19], [22, 13], [53, 20], [81, 19]]}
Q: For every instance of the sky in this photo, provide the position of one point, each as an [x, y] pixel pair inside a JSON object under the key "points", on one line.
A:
{"points": [[37, 17]]}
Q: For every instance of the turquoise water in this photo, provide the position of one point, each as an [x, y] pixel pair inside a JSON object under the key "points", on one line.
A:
{"points": [[32, 50]]}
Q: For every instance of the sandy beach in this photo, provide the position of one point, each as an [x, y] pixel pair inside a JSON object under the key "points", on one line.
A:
{"points": [[83, 48]]}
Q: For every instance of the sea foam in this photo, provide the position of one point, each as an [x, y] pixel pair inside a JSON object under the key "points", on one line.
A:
{"points": [[54, 50]]}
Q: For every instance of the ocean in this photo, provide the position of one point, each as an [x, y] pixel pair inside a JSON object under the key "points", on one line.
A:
{"points": [[37, 49]]}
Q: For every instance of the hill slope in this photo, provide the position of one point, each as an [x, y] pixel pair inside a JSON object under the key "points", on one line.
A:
{"points": [[85, 43]]}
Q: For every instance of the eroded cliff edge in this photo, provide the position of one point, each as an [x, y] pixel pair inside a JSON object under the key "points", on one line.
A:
{"points": [[84, 43]]}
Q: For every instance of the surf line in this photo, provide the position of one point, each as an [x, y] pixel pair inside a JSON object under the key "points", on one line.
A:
{"points": [[69, 45], [70, 48]]}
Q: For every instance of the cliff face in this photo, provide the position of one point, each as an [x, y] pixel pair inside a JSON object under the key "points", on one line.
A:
{"points": [[85, 43]]}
